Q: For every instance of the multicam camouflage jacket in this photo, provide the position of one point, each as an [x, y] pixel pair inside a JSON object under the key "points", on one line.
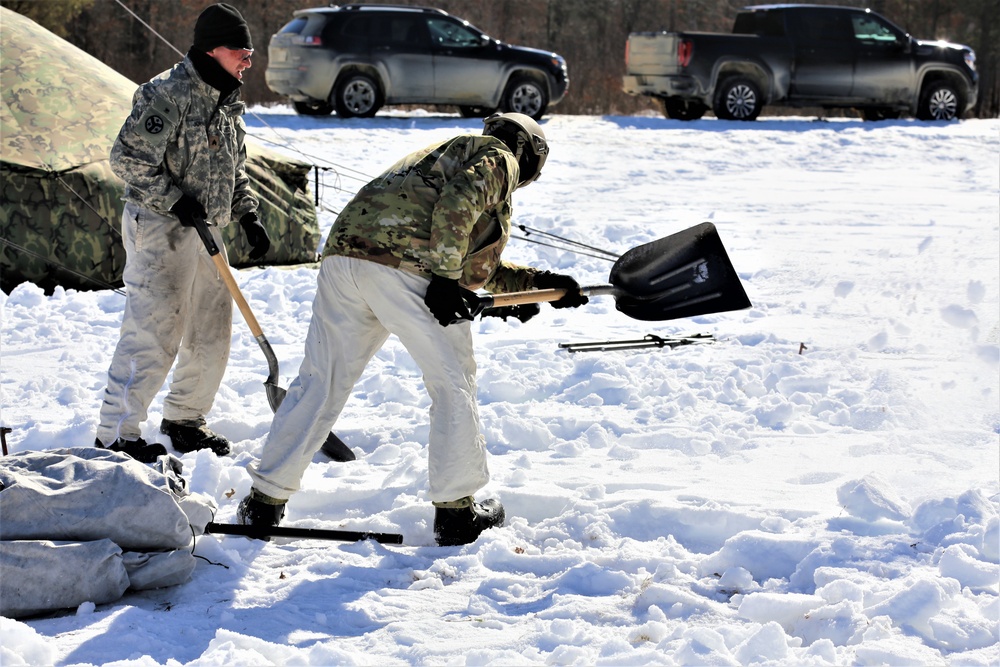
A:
{"points": [[181, 139], [444, 209]]}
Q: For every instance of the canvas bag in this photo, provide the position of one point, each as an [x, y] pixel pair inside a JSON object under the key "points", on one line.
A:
{"points": [[85, 524]]}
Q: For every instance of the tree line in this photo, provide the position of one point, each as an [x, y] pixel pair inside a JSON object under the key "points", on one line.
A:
{"points": [[138, 37]]}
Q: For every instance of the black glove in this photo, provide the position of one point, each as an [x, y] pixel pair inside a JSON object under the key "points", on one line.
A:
{"points": [[573, 297], [444, 299], [523, 312], [256, 235], [189, 211]]}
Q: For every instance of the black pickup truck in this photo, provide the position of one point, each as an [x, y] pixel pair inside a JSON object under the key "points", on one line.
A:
{"points": [[802, 56]]}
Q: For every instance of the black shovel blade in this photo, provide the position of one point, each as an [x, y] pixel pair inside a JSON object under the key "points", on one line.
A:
{"points": [[682, 275]]}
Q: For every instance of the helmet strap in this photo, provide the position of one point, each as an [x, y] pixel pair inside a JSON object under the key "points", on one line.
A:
{"points": [[520, 146]]}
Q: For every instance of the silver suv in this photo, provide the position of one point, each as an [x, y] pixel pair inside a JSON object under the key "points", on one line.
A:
{"points": [[356, 58]]}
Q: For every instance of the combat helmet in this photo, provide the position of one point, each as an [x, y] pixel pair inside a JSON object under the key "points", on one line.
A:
{"points": [[519, 131]]}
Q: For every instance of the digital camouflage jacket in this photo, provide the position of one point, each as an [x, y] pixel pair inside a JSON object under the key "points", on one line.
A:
{"points": [[181, 139], [445, 209]]}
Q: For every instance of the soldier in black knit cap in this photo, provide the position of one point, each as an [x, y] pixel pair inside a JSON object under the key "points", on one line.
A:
{"points": [[182, 158]]}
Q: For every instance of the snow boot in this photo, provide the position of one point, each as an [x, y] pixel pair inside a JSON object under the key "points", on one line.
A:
{"points": [[461, 521], [261, 511], [191, 435], [138, 449]]}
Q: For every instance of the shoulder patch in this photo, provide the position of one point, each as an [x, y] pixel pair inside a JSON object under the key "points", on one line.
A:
{"points": [[158, 120]]}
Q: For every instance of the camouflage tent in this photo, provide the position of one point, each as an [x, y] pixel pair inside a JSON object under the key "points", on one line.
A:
{"points": [[60, 203]]}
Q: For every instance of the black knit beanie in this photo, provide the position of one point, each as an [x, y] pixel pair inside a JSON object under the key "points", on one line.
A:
{"points": [[221, 25]]}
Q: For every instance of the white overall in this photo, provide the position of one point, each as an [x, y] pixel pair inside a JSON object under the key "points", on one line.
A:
{"points": [[358, 304], [176, 307]]}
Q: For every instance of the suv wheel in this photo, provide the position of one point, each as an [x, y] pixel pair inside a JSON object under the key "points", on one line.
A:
{"points": [[738, 98], [357, 95], [527, 96], [313, 108], [940, 101]]}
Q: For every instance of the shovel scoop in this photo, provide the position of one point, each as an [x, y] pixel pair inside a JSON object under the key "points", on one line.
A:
{"points": [[682, 275]]}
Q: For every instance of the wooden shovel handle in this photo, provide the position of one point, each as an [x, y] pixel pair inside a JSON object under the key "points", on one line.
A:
{"points": [[227, 277], [533, 296], [234, 290]]}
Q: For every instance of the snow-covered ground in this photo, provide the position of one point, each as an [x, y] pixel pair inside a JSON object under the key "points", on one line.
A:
{"points": [[819, 487]]}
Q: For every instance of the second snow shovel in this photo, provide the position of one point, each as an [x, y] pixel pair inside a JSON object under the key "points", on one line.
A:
{"points": [[334, 447], [681, 275]]}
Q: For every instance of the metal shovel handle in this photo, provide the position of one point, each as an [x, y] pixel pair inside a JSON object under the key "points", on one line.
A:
{"points": [[260, 532]]}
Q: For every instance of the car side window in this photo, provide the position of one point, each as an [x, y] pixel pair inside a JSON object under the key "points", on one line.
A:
{"points": [[821, 25], [870, 30], [449, 34], [403, 31], [354, 34]]}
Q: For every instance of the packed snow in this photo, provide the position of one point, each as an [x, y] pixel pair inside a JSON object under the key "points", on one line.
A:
{"points": [[819, 486]]}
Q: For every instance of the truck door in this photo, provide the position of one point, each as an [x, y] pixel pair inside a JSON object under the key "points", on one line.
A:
{"points": [[824, 53], [883, 71]]}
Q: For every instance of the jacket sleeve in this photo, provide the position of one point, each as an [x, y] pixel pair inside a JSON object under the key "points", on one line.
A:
{"points": [[137, 156], [480, 184], [244, 200], [510, 277]]}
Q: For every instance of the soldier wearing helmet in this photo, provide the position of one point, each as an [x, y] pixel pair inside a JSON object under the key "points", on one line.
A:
{"points": [[396, 262]]}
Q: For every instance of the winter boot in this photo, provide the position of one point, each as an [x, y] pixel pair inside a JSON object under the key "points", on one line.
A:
{"points": [[461, 521], [191, 435], [260, 510], [138, 449]]}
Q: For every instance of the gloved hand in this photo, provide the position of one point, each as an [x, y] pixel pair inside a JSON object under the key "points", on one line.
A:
{"points": [[523, 312], [189, 210], [444, 299], [256, 235], [573, 297]]}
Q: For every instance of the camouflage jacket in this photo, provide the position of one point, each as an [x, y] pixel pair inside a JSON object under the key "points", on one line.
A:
{"points": [[181, 139], [444, 209]]}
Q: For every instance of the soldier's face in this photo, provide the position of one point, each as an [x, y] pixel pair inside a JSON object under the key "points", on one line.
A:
{"points": [[233, 61]]}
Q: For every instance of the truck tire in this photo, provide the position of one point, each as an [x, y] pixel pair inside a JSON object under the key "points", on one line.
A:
{"points": [[525, 95], [681, 109], [738, 98], [940, 100], [358, 95], [313, 108]]}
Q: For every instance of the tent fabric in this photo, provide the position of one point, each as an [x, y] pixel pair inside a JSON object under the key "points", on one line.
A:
{"points": [[60, 203], [86, 524], [41, 576]]}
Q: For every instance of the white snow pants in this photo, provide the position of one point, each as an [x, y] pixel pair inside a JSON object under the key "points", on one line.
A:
{"points": [[358, 304], [177, 307]]}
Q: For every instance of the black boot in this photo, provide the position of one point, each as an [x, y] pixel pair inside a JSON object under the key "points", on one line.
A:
{"points": [[192, 434], [138, 449], [461, 521], [261, 511]]}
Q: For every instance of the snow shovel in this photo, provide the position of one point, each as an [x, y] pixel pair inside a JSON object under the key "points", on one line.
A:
{"points": [[681, 275], [334, 447]]}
